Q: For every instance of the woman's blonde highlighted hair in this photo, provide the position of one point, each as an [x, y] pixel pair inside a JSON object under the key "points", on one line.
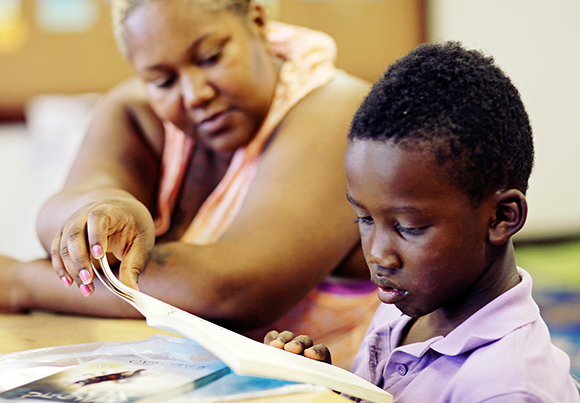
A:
{"points": [[121, 9]]}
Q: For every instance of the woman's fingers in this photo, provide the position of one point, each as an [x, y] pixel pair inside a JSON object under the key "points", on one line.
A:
{"points": [[121, 226], [75, 254], [138, 240], [134, 262], [69, 275], [66, 268], [57, 262], [98, 221]]}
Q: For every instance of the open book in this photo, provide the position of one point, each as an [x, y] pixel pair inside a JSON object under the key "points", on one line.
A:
{"points": [[241, 354]]}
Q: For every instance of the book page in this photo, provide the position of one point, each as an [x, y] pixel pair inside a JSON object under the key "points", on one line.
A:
{"points": [[242, 354]]}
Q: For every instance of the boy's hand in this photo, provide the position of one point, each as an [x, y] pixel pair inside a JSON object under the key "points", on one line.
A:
{"points": [[302, 345]]}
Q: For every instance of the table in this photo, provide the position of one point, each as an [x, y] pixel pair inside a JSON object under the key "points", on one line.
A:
{"points": [[39, 329]]}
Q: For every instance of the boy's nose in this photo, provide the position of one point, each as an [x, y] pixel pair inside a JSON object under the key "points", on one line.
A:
{"points": [[195, 88], [382, 251]]}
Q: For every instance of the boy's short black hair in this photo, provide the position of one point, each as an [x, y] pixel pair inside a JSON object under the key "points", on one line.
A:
{"points": [[457, 104]]}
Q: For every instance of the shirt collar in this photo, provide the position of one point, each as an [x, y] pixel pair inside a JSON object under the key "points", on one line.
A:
{"points": [[511, 310]]}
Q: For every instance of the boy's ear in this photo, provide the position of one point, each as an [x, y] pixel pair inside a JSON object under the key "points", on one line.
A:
{"points": [[511, 210]]}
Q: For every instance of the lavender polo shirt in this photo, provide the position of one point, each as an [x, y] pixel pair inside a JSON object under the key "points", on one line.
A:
{"points": [[502, 353]]}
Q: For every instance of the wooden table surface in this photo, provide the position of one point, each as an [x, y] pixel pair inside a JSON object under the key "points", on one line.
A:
{"points": [[38, 329]]}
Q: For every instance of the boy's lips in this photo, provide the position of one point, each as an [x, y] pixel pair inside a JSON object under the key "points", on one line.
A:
{"points": [[391, 295], [387, 291]]}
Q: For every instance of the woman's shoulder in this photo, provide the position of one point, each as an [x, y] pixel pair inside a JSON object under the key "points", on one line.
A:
{"points": [[349, 87], [328, 109], [127, 102], [318, 124]]}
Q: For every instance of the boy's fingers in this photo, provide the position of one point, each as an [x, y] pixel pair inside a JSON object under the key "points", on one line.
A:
{"points": [[319, 352], [299, 344], [286, 336], [270, 336], [278, 340]]}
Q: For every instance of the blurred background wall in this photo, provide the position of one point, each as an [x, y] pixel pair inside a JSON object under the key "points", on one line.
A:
{"points": [[56, 56], [537, 43], [61, 47], [67, 46]]}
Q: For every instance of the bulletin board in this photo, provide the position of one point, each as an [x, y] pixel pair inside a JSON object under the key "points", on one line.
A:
{"points": [[55, 46], [68, 47], [370, 34]]}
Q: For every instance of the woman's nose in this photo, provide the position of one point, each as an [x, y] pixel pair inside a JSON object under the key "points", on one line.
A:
{"points": [[196, 90]]}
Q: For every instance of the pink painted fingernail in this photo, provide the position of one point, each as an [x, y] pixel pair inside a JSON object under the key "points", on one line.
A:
{"points": [[85, 276], [97, 251], [65, 281], [85, 289]]}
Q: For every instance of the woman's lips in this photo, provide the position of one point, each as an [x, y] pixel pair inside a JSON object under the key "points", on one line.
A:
{"points": [[215, 124]]}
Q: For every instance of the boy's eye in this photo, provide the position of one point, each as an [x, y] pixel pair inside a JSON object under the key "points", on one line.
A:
{"points": [[409, 231], [364, 220]]}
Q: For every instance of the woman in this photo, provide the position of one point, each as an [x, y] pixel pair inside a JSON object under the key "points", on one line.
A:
{"points": [[216, 178]]}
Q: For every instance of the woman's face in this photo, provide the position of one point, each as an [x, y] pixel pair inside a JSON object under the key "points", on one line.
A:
{"points": [[209, 73]]}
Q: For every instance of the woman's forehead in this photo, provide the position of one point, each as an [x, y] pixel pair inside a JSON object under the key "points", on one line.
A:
{"points": [[158, 29]]}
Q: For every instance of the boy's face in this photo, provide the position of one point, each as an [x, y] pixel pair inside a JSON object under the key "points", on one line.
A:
{"points": [[426, 246]]}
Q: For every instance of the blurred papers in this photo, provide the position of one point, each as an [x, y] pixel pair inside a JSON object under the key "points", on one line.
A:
{"points": [[14, 30], [66, 15]]}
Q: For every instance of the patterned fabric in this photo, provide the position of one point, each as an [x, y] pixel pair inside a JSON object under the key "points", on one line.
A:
{"points": [[336, 315]]}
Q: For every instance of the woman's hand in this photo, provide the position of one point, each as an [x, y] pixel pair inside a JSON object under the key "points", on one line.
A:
{"points": [[121, 226], [302, 345]]}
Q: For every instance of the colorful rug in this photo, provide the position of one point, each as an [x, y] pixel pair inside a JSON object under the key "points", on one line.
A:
{"points": [[561, 311]]}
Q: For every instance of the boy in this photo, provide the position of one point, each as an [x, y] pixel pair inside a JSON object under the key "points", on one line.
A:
{"points": [[437, 163]]}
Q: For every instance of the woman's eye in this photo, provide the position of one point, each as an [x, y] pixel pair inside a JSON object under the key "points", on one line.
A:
{"points": [[164, 82], [213, 59], [210, 60], [211, 52], [363, 220]]}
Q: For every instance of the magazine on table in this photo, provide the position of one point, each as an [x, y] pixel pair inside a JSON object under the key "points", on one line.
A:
{"points": [[139, 371], [120, 380]]}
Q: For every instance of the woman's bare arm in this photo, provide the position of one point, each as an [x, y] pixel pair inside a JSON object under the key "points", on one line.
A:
{"points": [[110, 190], [120, 156], [294, 227]]}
